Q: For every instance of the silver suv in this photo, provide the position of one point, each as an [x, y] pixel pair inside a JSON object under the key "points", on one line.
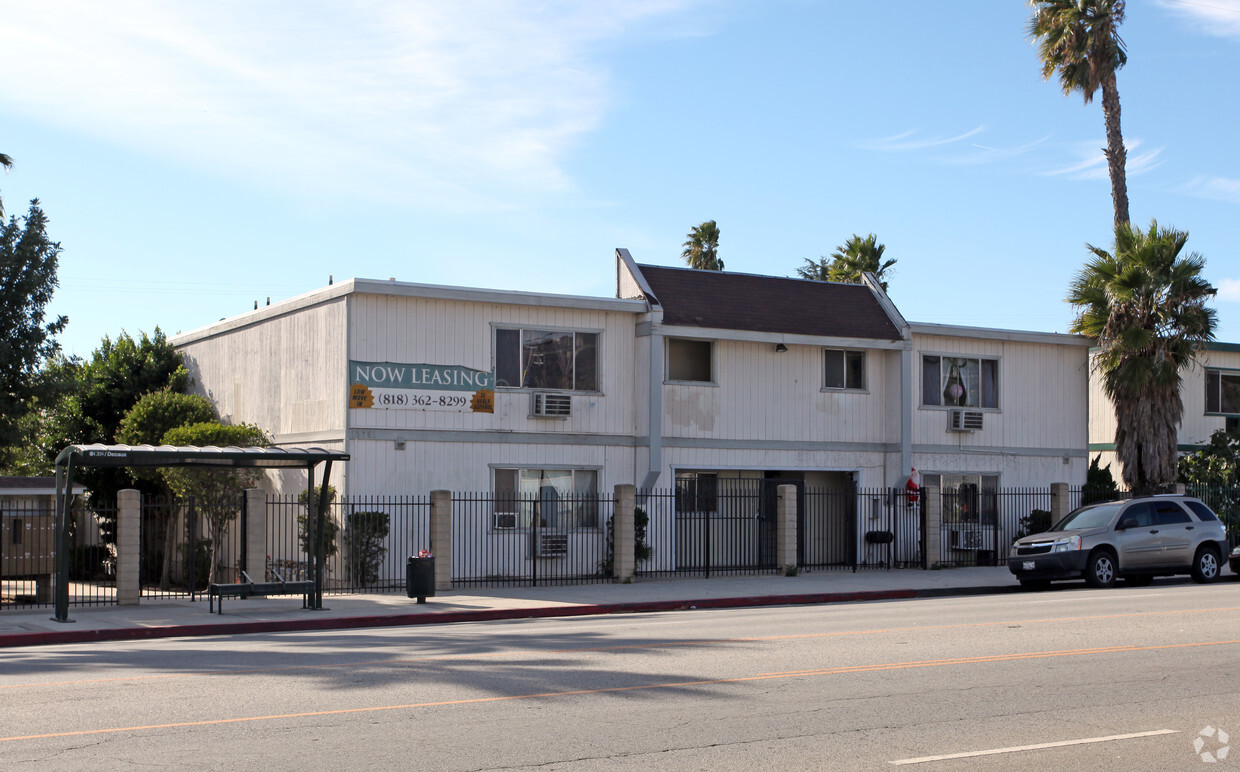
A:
{"points": [[1136, 539]]}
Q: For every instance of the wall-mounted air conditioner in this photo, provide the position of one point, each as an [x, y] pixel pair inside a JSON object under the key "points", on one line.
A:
{"points": [[504, 520], [964, 420], [549, 404]]}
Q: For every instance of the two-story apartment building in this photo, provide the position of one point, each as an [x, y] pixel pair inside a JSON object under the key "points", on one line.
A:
{"points": [[685, 374]]}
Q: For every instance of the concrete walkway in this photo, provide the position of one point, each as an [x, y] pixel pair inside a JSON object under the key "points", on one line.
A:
{"points": [[157, 618]]}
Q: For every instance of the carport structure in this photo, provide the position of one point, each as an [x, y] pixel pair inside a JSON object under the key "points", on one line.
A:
{"points": [[77, 456]]}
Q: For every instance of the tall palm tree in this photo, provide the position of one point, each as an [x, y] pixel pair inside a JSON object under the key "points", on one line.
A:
{"points": [[702, 248], [7, 163], [1144, 303], [1080, 40], [857, 256]]}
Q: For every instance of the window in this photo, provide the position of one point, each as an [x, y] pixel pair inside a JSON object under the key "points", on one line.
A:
{"points": [[1222, 392], [560, 498], [546, 359], [697, 492], [844, 369], [17, 525], [689, 360], [1170, 513], [959, 381], [967, 498]]}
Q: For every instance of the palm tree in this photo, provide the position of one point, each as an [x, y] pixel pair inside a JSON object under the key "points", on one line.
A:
{"points": [[7, 163], [857, 256], [1080, 40], [1144, 303], [702, 248]]}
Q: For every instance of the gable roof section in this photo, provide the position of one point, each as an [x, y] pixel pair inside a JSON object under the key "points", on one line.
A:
{"points": [[738, 301]]}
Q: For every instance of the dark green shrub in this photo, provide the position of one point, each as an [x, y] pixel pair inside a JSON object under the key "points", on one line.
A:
{"points": [[641, 548], [365, 538], [1037, 521], [307, 517]]}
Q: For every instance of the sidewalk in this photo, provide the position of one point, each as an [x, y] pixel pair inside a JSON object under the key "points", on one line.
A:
{"points": [[156, 618]]}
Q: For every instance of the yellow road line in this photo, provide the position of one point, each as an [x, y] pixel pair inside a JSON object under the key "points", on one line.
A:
{"points": [[643, 687]]}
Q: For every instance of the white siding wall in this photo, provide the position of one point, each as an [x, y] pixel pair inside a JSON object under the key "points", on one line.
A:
{"points": [[1041, 390], [763, 395], [410, 330], [285, 374]]}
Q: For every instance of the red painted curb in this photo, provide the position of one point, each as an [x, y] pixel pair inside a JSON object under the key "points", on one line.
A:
{"points": [[47, 637]]}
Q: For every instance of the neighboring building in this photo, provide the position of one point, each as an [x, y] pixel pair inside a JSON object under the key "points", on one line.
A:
{"points": [[686, 376], [1210, 390]]}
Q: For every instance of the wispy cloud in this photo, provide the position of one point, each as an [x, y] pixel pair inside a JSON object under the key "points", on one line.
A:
{"points": [[910, 140], [453, 103], [1091, 163], [1213, 17], [1229, 290], [1214, 188]]}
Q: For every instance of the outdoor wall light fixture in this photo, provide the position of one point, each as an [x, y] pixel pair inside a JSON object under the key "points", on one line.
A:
{"points": [[780, 348]]}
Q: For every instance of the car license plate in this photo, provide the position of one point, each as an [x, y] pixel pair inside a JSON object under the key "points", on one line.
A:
{"points": [[1027, 565]]}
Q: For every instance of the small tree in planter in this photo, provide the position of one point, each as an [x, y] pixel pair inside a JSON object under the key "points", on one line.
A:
{"points": [[308, 516], [365, 535]]}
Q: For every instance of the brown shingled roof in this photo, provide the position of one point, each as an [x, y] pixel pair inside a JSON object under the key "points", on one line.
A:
{"points": [[738, 301]]}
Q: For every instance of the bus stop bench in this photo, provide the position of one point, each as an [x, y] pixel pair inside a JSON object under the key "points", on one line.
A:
{"points": [[249, 587]]}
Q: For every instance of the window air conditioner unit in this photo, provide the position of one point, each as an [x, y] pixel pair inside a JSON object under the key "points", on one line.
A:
{"points": [[504, 520], [550, 545], [551, 405], [964, 420]]}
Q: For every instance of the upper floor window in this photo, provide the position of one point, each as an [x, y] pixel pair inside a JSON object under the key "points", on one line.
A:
{"points": [[959, 381], [1222, 392], [844, 369], [690, 360], [546, 359]]}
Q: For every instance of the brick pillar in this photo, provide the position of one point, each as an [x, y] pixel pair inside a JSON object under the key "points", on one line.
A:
{"points": [[785, 526], [128, 546], [256, 534], [623, 562], [1181, 489], [441, 538], [932, 506], [1060, 504]]}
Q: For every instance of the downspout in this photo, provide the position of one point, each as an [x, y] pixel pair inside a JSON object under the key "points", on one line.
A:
{"points": [[907, 394], [654, 418]]}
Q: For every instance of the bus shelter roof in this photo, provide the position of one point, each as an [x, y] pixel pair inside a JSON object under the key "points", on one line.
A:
{"points": [[181, 455]]}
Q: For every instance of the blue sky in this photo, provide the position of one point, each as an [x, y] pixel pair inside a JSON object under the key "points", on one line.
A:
{"points": [[196, 157]]}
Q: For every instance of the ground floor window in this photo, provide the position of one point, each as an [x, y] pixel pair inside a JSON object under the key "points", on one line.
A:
{"points": [[697, 492], [552, 498], [967, 498]]}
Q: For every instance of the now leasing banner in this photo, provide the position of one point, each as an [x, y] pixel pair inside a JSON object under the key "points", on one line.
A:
{"points": [[420, 387]]}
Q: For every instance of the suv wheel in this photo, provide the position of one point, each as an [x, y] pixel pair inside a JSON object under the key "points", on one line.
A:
{"points": [[1205, 566], [1100, 570]]}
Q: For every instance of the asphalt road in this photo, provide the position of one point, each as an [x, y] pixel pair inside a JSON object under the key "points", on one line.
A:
{"points": [[1071, 679]]}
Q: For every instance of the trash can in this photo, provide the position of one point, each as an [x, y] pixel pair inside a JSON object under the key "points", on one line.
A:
{"points": [[420, 578]]}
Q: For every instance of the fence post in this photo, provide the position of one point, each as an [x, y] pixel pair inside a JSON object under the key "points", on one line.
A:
{"points": [[1181, 489], [441, 538], [932, 505], [128, 547], [624, 563], [255, 534], [785, 526], [1060, 503]]}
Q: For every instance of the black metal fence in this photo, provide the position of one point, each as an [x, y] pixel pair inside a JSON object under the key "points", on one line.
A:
{"points": [[531, 539], [28, 555], [979, 525], [367, 541]]}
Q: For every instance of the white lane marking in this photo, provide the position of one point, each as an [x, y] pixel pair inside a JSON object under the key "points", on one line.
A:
{"points": [[1039, 746]]}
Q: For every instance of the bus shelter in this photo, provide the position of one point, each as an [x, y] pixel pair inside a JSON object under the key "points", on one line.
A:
{"points": [[78, 456]]}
